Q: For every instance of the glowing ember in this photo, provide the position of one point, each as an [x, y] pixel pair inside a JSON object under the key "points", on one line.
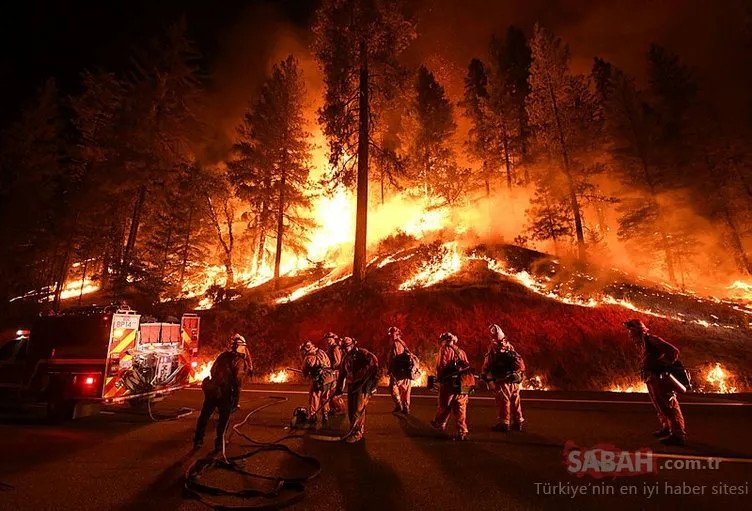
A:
{"points": [[394, 259], [718, 378], [201, 372], [280, 376], [433, 272]]}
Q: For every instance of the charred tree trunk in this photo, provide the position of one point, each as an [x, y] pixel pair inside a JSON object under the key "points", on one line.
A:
{"points": [[83, 280], [383, 175], [63, 272], [227, 245], [186, 247], [361, 219], [280, 230], [507, 163], [132, 234], [574, 203]]}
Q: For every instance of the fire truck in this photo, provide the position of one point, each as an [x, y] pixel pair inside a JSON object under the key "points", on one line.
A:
{"points": [[97, 355]]}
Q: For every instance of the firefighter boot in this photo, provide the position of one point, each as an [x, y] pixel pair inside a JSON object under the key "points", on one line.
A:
{"points": [[662, 433], [438, 427], [518, 426], [500, 428], [406, 409], [462, 437]]}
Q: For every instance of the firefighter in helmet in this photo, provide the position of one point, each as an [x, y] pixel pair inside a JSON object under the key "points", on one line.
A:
{"points": [[222, 389], [399, 364], [360, 368], [316, 367], [335, 353], [503, 370], [454, 375], [657, 356]]}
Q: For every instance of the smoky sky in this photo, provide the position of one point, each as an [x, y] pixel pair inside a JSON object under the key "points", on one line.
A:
{"points": [[239, 38]]}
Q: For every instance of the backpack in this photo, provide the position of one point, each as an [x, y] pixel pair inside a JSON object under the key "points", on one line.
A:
{"points": [[405, 366], [507, 365], [459, 375]]}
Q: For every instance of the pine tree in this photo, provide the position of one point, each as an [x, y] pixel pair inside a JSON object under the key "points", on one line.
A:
{"points": [[434, 161], [275, 156], [480, 137], [357, 43], [508, 90], [562, 112]]}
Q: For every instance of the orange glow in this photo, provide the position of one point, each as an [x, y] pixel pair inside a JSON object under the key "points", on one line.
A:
{"points": [[719, 380], [534, 383], [203, 371], [280, 376], [433, 272], [636, 387]]}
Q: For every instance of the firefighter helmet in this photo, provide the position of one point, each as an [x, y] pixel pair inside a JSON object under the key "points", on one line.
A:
{"points": [[393, 330], [496, 332], [348, 342], [238, 340], [331, 337], [307, 347], [636, 324], [448, 338]]}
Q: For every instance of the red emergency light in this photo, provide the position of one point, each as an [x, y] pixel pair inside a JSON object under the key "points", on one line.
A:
{"points": [[89, 380]]}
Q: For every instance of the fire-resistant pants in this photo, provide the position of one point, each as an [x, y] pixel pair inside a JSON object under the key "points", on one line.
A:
{"points": [[317, 398], [401, 391], [356, 411], [211, 403], [508, 400], [455, 404], [663, 396], [336, 403]]}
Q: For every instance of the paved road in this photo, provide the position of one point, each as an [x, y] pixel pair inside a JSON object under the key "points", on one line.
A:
{"points": [[123, 461]]}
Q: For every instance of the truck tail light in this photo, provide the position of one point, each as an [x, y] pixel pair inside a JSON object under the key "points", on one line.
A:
{"points": [[89, 381]]}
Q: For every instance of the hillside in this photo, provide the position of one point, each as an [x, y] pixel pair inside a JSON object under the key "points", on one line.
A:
{"points": [[577, 345]]}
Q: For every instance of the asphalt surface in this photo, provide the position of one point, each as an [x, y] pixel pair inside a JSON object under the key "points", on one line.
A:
{"points": [[124, 461]]}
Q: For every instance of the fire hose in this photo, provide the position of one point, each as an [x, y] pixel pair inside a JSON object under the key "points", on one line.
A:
{"points": [[293, 485]]}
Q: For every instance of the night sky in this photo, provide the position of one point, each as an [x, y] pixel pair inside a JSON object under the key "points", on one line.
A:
{"points": [[61, 38]]}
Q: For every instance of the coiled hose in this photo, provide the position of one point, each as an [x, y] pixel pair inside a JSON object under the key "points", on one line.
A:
{"points": [[270, 499]]}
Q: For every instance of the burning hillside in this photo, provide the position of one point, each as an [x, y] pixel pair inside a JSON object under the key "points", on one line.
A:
{"points": [[565, 320]]}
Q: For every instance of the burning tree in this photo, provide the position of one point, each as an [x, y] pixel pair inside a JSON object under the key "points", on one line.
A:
{"points": [[273, 157], [357, 43], [434, 161], [562, 114], [635, 132]]}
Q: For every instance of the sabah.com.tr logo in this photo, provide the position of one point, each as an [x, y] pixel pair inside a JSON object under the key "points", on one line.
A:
{"points": [[606, 460]]}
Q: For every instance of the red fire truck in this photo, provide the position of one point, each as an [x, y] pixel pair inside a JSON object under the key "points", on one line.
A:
{"points": [[97, 355]]}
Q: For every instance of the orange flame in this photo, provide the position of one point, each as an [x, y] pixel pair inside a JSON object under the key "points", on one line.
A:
{"points": [[280, 376], [718, 378], [433, 272], [636, 387], [534, 383], [202, 371]]}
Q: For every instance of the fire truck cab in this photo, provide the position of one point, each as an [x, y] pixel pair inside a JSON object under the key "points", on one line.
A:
{"points": [[100, 355]]}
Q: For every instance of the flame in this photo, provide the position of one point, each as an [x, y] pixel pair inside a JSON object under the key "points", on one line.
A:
{"points": [[78, 287], [741, 289], [205, 303], [534, 383], [202, 371], [638, 387], [319, 284], [280, 376], [433, 272], [718, 378]]}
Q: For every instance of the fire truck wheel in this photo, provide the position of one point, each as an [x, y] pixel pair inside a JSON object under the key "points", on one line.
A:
{"points": [[59, 409]]}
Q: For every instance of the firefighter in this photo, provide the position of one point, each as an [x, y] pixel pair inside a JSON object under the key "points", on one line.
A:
{"points": [[360, 367], [453, 372], [222, 390], [503, 370], [316, 367], [336, 405], [657, 356], [400, 382]]}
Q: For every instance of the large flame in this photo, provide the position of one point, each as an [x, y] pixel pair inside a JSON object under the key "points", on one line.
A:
{"points": [[534, 382], [202, 371], [280, 376], [719, 380], [435, 271]]}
